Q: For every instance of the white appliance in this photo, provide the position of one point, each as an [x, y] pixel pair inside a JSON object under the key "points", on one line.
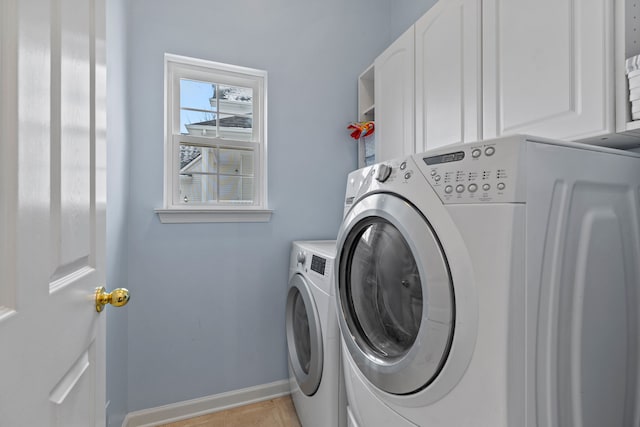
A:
{"points": [[492, 284], [313, 338]]}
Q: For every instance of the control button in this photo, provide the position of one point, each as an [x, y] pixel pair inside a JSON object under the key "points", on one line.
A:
{"points": [[489, 151], [433, 172], [486, 187], [403, 166], [384, 171], [501, 186], [407, 175], [437, 178], [475, 153], [459, 188], [473, 188], [448, 189], [301, 257]]}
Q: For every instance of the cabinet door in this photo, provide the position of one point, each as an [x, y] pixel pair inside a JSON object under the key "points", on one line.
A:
{"points": [[448, 78], [548, 68], [394, 86]]}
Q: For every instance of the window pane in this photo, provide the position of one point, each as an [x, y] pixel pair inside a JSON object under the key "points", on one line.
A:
{"points": [[198, 182], [197, 107], [236, 162], [197, 159], [236, 112], [198, 188], [235, 99], [236, 188], [236, 175], [200, 103], [197, 95], [235, 127], [247, 189]]}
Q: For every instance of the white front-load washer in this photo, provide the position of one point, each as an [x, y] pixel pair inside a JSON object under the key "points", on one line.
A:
{"points": [[313, 338], [492, 284]]}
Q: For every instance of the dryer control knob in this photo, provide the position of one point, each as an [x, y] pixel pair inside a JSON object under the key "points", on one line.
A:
{"points": [[301, 257], [384, 171]]}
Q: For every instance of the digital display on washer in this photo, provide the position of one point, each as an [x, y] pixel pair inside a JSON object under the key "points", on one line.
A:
{"points": [[318, 264], [444, 158]]}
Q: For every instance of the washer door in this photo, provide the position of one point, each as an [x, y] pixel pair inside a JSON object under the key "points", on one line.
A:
{"points": [[304, 335], [394, 293]]}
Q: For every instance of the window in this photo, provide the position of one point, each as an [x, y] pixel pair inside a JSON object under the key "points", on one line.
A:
{"points": [[215, 142]]}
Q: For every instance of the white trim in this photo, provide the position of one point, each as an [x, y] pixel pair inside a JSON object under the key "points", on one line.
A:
{"points": [[207, 141], [206, 405], [196, 62], [197, 214], [8, 156], [225, 131]]}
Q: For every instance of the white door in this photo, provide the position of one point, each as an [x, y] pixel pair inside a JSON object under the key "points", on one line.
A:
{"points": [[448, 74], [394, 84], [52, 221]]}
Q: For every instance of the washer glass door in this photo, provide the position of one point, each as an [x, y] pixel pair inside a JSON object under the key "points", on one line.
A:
{"points": [[395, 294], [304, 336], [385, 293]]}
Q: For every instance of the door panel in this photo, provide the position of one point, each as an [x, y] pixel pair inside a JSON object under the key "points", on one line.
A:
{"points": [[589, 325], [448, 74], [70, 131], [394, 89], [71, 188], [547, 67], [71, 405], [54, 369]]}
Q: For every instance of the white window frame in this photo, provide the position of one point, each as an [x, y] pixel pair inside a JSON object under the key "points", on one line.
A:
{"points": [[175, 68]]}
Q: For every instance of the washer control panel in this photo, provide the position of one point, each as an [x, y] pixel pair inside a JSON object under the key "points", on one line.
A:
{"points": [[482, 172], [318, 264]]}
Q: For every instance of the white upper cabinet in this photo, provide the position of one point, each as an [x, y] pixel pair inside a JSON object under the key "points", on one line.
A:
{"points": [[548, 68], [448, 74], [482, 69], [394, 100]]}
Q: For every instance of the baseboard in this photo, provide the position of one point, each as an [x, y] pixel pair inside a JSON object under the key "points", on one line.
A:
{"points": [[205, 405]]}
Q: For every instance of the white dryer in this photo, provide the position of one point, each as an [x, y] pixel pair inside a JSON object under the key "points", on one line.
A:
{"points": [[313, 338], [492, 284]]}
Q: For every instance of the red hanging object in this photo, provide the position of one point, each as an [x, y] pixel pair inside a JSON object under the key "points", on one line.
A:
{"points": [[361, 129]]}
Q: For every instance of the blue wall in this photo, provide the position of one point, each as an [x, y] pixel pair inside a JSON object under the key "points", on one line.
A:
{"points": [[404, 13], [117, 196], [207, 308]]}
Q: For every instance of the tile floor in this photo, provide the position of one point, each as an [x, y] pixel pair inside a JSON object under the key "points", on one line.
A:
{"points": [[270, 413]]}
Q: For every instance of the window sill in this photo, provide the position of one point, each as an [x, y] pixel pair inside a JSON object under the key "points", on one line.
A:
{"points": [[186, 216]]}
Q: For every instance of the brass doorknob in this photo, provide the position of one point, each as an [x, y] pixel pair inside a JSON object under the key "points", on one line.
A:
{"points": [[117, 298]]}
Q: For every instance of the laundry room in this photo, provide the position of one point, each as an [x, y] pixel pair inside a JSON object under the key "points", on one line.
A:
{"points": [[348, 213], [208, 301]]}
